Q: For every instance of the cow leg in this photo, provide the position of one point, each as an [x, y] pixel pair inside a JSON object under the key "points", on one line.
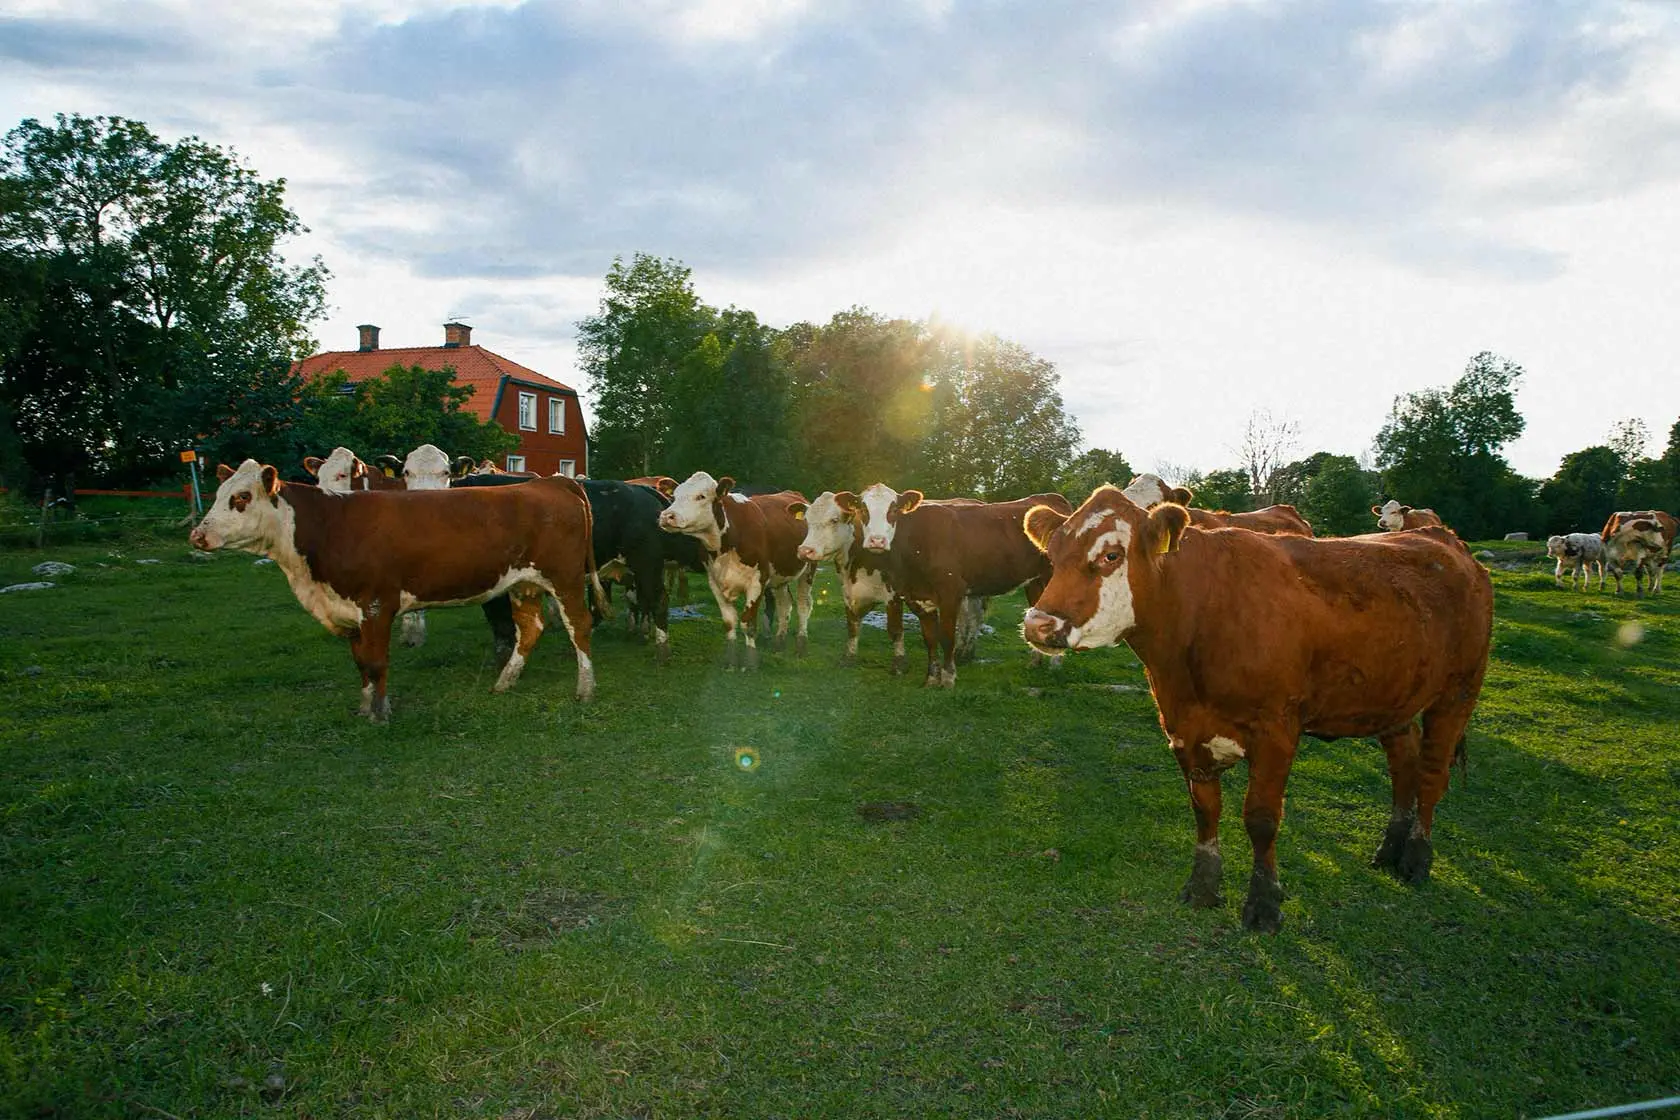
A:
{"points": [[802, 600], [1268, 772], [574, 613], [414, 629], [749, 628], [1201, 891], [948, 617], [499, 614], [526, 608], [1401, 746], [783, 596], [650, 594], [895, 631], [371, 647], [854, 623]]}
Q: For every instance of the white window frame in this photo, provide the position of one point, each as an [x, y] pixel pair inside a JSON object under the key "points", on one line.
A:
{"points": [[515, 464], [568, 467], [557, 411], [527, 400]]}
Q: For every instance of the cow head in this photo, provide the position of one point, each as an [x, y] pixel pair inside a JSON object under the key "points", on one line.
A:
{"points": [[1100, 557], [697, 509], [830, 524], [388, 465], [461, 466], [246, 511], [1148, 490], [882, 508], [1391, 515], [426, 468], [339, 473], [1556, 546]]}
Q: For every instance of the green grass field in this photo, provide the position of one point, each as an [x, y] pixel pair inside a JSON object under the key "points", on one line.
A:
{"points": [[222, 895]]}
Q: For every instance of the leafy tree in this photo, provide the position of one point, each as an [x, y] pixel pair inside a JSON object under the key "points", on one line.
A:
{"points": [[1338, 497], [143, 280], [1091, 469], [1289, 482], [632, 352], [728, 405], [1223, 489], [1582, 494], [1628, 439]]}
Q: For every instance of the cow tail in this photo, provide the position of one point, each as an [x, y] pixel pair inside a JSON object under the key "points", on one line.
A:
{"points": [[602, 603]]}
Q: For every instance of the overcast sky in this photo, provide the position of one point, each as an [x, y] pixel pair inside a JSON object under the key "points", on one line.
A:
{"points": [[1195, 208]]}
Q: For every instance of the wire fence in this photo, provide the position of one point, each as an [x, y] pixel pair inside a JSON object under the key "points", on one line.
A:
{"points": [[92, 516]]}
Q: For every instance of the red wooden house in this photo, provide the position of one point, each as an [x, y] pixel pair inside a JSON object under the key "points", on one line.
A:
{"points": [[544, 413]]}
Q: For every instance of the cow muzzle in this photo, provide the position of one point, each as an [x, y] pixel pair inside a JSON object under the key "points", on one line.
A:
{"points": [[806, 552], [875, 544], [668, 521], [1045, 630], [200, 540]]}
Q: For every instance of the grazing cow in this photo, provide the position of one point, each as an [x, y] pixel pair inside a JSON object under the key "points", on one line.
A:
{"points": [[1665, 521], [937, 554], [1580, 553], [1394, 517], [355, 561], [1251, 640], [751, 546], [1637, 543], [341, 472]]}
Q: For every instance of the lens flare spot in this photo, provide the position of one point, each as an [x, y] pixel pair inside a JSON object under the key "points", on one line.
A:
{"points": [[1630, 634], [746, 758]]}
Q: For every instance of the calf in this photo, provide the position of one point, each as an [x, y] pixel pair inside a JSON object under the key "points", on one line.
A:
{"points": [[355, 561], [1637, 543], [1666, 524], [1580, 553], [751, 545], [936, 554], [1394, 517], [1252, 640]]}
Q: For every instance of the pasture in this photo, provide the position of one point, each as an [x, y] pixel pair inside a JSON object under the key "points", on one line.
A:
{"points": [[806, 892]]}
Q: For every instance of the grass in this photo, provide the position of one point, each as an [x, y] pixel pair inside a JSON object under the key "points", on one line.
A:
{"points": [[222, 895]]}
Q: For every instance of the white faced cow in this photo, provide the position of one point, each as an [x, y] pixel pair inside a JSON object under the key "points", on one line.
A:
{"points": [[834, 531]]}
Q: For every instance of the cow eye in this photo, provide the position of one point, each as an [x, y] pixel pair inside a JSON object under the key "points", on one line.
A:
{"points": [[1111, 557]]}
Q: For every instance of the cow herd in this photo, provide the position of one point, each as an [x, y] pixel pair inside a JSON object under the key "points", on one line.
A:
{"points": [[1251, 631], [1639, 541]]}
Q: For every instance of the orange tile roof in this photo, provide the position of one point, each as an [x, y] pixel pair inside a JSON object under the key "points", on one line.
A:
{"points": [[474, 365]]}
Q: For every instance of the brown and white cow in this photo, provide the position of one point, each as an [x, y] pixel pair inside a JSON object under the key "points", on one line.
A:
{"points": [[355, 561], [1394, 518], [1665, 522], [834, 531], [939, 553], [1271, 519], [1249, 642], [341, 472], [752, 547], [1637, 544]]}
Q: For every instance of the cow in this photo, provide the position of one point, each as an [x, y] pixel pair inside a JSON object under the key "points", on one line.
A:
{"points": [[1637, 543], [341, 472], [682, 553], [1271, 519], [1251, 640], [751, 546], [833, 531], [1580, 553], [936, 554], [426, 468], [355, 561], [1394, 517], [1665, 522]]}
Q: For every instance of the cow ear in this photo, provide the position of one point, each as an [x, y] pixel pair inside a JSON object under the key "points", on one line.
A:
{"points": [[312, 464], [1181, 495], [357, 468], [270, 481], [1166, 527], [798, 510], [908, 501], [224, 472], [666, 486], [1039, 523], [1405, 509], [848, 502], [725, 485]]}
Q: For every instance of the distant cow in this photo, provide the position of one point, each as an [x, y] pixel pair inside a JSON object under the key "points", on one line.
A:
{"points": [[752, 547], [355, 561], [341, 472], [1637, 544], [1394, 517], [1666, 524], [938, 553], [1271, 519], [1251, 640], [1580, 553]]}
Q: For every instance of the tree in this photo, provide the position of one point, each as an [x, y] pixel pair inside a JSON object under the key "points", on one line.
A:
{"points": [[1582, 494], [1266, 439], [143, 279], [1338, 497], [729, 404], [1628, 439], [1091, 469], [632, 351], [1223, 489]]}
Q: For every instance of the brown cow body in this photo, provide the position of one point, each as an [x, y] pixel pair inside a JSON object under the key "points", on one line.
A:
{"points": [[1250, 641], [940, 553], [1272, 519], [356, 561], [1666, 524], [752, 547]]}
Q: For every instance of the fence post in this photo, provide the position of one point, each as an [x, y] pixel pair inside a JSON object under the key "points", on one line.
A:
{"points": [[41, 529]]}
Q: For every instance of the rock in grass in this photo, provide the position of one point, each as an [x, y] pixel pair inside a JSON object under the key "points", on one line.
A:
{"points": [[26, 587], [53, 568]]}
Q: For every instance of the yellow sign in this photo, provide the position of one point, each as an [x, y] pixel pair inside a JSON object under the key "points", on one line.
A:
{"points": [[188, 456]]}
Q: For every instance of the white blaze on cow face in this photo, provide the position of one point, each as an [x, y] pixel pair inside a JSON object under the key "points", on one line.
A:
{"points": [[878, 531], [338, 472], [692, 512], [1148, 490], [1115, 615], [426, 468], [828, 530], [1391, 516]]}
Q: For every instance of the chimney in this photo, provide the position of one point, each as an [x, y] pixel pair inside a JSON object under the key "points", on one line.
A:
{"points": [[370, 337], [456, 334]]}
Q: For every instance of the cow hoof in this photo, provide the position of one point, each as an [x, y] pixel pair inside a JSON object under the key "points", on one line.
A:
{"points": [[1393, 843], [662, 653], [848, 660], [799, 646], [752, 660], [947, 680], [1415, 859], [899, 664], [1263, 909], [779, 644], [1201, 892]]}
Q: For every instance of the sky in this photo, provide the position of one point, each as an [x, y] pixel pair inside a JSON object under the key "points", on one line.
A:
{"points": [[1197, 209]]}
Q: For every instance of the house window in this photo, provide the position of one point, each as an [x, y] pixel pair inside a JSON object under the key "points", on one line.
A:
{"points": [[528, 411], [557, 415], [568, 467], [516, 463]]}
